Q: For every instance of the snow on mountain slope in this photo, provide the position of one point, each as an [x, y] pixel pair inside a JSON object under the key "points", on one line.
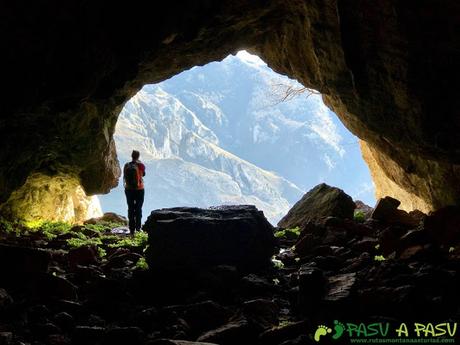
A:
{"points": [[185, 166], [240, 100], [219, 134]]}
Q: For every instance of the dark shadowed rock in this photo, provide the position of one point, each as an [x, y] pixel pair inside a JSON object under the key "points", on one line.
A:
{"points": [[254, 285], [201, 316], [385, 207], [5, 300], [15, 259], [85, 255], [310, 238], [52, 286], [389, 239], [444, 225], [411, 252], [177, 342], [321, 201], [367, 244], [340, 287], [415, 237], [386, 210], [124, 335], [261, 312], [64, 320], [182, 238], [236, 331], [44, 330], [276, 335], [312, 284], [57, 339], [6, 338], [83, 335]]}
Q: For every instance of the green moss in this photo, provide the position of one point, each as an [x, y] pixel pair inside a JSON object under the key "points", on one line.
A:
{"points": [[101, 252], [96, 227], [8, 226], [142, 264], [33, 224], [138, 240], [110, 238], [288, 233], [379, 258], [77, 242], [49, 229], [55, 228], [359, 216], [103, 226]]}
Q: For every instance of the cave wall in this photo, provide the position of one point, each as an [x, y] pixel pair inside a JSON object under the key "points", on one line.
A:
{"points": [[385, 67], [57, 197]]}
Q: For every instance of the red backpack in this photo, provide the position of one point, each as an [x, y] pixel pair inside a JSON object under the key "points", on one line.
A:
{"points": [[132, 176]]}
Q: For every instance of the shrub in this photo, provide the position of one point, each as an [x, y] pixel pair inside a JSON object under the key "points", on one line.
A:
{"points": [[288, 233], [359, 216], [142, 264]]}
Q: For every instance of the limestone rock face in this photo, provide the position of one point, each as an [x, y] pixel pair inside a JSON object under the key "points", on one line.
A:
{"points": [[320, 202], [385, 68], [436, 184], [192, 238], [53, 198]]}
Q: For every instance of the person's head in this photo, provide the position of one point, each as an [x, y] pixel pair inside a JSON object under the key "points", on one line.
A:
{"points": [[135, 155]]}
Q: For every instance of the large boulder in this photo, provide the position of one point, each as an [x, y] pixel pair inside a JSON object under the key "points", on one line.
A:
{"points": [[108, 217], [444, 225], [386, 210], [320, 202], [183, 238]]}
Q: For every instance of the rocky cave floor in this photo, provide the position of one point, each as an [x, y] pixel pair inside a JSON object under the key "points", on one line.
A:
{"points": [[336, 269]]}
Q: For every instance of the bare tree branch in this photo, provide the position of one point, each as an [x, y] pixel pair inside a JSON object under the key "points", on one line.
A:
{"points": [[288, 92]]}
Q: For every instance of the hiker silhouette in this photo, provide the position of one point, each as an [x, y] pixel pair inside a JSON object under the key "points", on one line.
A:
{"points": [[133, 173]]}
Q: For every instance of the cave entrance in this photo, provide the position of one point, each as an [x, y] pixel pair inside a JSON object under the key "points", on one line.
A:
{"points": [[236, 132]]}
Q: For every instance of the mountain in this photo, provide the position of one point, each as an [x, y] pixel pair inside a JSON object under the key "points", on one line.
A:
{"points": [[220, 134]]}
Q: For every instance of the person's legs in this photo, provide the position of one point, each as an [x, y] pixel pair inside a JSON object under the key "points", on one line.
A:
{"points": [[139, 203], [130, 199]]}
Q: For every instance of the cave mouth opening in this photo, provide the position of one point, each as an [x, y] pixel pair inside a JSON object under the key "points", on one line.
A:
{"points": [[235, 132]]}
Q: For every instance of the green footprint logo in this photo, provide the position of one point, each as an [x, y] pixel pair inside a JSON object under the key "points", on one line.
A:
{"points": [[339, 328], [322, 330]]}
